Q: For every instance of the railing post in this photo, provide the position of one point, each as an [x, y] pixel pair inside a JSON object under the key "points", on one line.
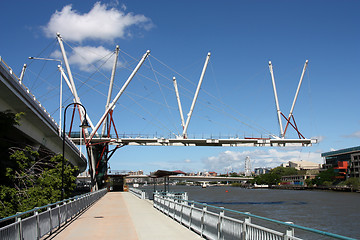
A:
{"points": [[50, 219], [168, 209], [20, 228], [36, 213], [59, 214], [219, 225], [244, 228], [190, 216], [203, 219], [66, 212], [185, 196], [181, 212], [289, 232]]}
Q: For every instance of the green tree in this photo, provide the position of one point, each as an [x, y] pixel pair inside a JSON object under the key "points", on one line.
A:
{"points": [[325, 178], [34, 181], [29, 178], [353, 182]]}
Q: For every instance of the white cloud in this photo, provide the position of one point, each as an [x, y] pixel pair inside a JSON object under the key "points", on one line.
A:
{"points": [[100, 23], [89, 58], [259, 158], [353, 135]]}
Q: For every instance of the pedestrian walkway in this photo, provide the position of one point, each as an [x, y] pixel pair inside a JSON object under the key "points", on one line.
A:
{"points": [[121, 215]]}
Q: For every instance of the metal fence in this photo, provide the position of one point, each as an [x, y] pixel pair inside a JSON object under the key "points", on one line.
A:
{"points": [[142, 194], [139, 193], [44, 220], [211, 222]]}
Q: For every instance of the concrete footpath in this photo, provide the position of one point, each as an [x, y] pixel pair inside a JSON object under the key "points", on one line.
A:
{"points": [[121, 215]]}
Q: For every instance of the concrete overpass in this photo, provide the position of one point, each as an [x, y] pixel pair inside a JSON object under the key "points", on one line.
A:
{"points": [[37, 128]]}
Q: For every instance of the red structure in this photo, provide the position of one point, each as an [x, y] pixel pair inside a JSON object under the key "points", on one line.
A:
{"points": [[341, 169]]}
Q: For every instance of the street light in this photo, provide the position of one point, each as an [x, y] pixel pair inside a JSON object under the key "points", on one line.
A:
{"points": [[83, 125], [56, 60]]}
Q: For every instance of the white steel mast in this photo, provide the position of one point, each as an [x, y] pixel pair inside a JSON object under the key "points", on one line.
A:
{"points": [[112, 104], [179, 103], [297, 93], [71, 80], [276, 100], [111, 86], [72, 91], [196, 95]]}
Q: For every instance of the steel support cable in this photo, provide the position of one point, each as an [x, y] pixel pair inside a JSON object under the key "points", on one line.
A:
{"points": [[126, 93], [162, 93], [219, 100], [117, 87], [221, 110], [313, 116], [51, 89], [215, 80], [149, 99], [153, 117], [38, 55], [44, 80], [258, 127], [43, 65], [174, 71], [136, 114], [97, 69]]}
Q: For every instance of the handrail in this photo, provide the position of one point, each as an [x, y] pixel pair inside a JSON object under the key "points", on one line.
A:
{"points": [[289, 225], [46, 206], [43, 223]]}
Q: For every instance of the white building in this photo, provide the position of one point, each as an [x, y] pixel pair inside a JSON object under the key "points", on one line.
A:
{"points": [[302, 165]]}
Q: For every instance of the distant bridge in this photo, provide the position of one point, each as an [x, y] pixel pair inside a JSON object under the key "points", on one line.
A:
{"points": [[199, 178]]}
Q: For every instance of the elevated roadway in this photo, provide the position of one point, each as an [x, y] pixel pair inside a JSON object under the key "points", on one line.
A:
{"points": [[37, 128]]}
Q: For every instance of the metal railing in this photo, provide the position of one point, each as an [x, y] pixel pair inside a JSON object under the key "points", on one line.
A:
{"points": [[44, 220], [212, 223], [142, 194], [139, 193]]}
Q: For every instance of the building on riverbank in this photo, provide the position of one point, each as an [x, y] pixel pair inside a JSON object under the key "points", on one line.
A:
{"points": [[299, 180], [302, 165], [345, 161]]}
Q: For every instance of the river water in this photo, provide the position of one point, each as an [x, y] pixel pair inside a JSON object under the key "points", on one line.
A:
{"points": [[335, 212]]}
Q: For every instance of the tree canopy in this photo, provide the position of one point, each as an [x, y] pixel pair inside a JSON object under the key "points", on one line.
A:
{"points": [[30, 178]]}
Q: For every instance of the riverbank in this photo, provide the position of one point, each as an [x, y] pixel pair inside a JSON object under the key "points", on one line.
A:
{"points": [[329, 188]]}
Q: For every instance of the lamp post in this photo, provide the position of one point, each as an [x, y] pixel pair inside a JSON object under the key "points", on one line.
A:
{"points": [[83, 125], [56, 60]]}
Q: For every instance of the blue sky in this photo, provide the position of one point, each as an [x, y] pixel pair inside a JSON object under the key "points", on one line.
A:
{"points": [[242, 37]]}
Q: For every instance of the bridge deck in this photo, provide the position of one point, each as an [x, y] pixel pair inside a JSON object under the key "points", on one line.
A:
{"points": [[121, 215]]}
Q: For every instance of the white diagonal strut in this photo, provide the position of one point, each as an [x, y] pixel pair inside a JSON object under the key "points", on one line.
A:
{"points": [[298, 88], [112, 104], [196, 95], [71, 80], [72, 91], [276, 100], [179, 102], [111, 86]]}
